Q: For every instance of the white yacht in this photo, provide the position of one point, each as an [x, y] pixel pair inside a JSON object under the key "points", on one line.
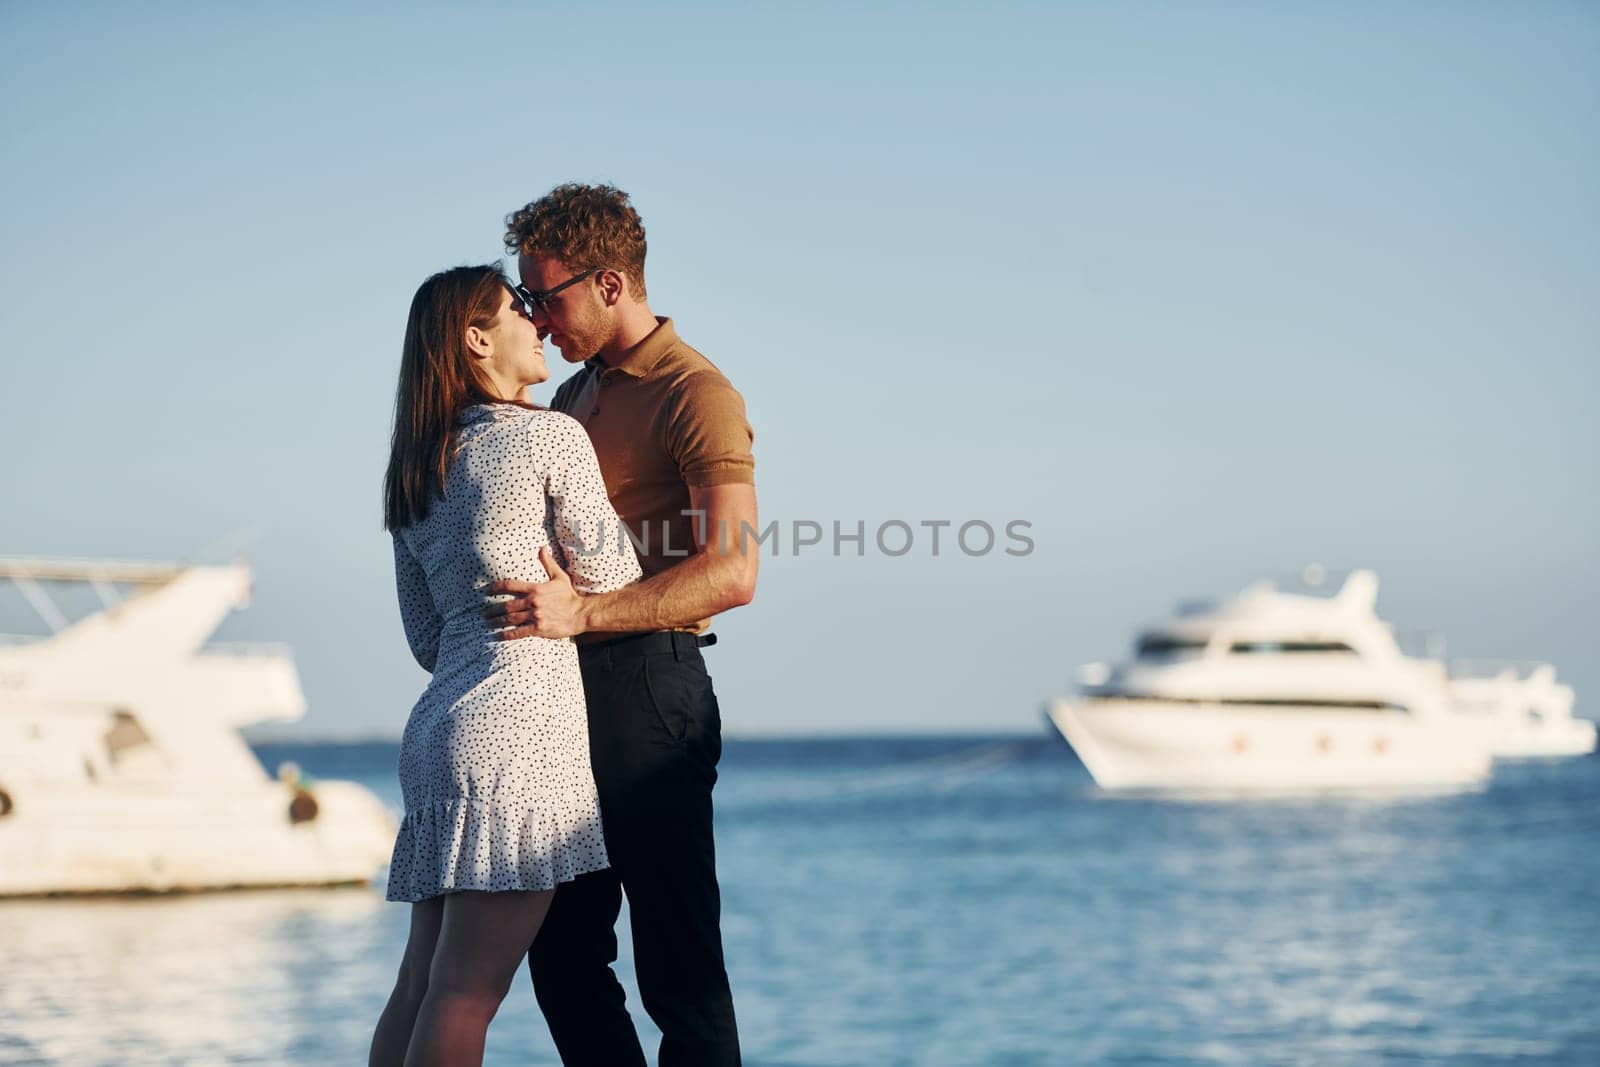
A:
{"points": [[121, 766], [1275, 690]]}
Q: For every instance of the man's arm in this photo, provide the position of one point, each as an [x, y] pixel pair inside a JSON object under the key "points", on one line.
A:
{"points": [[721, 574]]}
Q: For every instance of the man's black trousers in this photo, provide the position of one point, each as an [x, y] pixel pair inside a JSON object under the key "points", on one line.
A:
{"points": [[655, 735]]}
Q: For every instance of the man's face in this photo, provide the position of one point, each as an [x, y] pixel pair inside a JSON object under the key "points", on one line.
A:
{"points": [[576, 319]]}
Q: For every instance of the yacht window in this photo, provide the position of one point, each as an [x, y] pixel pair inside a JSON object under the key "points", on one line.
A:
{"points": [[1169, 645], [1293, 703], [125, 734], [1253, 647]]}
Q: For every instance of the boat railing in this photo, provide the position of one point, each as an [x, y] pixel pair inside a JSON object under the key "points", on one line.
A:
{"points": [[1490, 669], [26, 568]]}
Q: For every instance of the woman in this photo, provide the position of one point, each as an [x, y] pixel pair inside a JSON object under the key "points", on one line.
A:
{"points": [[500, 801]]}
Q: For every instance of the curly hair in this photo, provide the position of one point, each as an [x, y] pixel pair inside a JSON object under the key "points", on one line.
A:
{"points": [[584, 226]]}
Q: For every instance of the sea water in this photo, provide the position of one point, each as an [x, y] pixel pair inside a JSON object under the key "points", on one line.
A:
{"points": [[941, 901]]}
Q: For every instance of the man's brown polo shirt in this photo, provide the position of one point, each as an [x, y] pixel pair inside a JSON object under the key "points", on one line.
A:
{"points": [[662, 419]]}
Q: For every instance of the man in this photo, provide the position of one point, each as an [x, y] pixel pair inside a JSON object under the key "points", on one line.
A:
{"points": [[674, 448]]}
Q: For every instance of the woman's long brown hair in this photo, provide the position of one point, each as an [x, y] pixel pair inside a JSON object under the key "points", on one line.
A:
{"points": [[438, 379]]}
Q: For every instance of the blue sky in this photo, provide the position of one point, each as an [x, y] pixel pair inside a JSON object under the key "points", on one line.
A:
{"points": [[1204, 293]]}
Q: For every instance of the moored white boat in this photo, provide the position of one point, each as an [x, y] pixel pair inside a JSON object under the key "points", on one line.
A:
{"points": [[121, 768], [1274, 691]]}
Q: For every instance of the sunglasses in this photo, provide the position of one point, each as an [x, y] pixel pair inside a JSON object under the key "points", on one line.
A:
{"points": [[539, 299]]}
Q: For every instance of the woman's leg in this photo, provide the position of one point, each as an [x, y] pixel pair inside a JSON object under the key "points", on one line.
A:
{"points": [[394, 1025], [483, 941]]}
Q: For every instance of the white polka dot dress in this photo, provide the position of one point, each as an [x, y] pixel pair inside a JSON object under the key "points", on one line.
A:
{"points": [[494, 765]]}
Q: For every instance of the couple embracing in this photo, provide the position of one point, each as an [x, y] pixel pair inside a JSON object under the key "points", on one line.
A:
{"points": [[565, 750]]}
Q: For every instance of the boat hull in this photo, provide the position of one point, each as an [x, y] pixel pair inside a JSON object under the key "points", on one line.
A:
{"points": [[1155, 745], [156, 839]]}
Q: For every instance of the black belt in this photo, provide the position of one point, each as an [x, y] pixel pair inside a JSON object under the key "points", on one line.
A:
{"points": [[667, 642]]}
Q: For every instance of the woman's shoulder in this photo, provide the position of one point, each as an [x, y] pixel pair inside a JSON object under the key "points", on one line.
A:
{"points": [[548, 434], [547, 426], [548, 438], [525, 421]]}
